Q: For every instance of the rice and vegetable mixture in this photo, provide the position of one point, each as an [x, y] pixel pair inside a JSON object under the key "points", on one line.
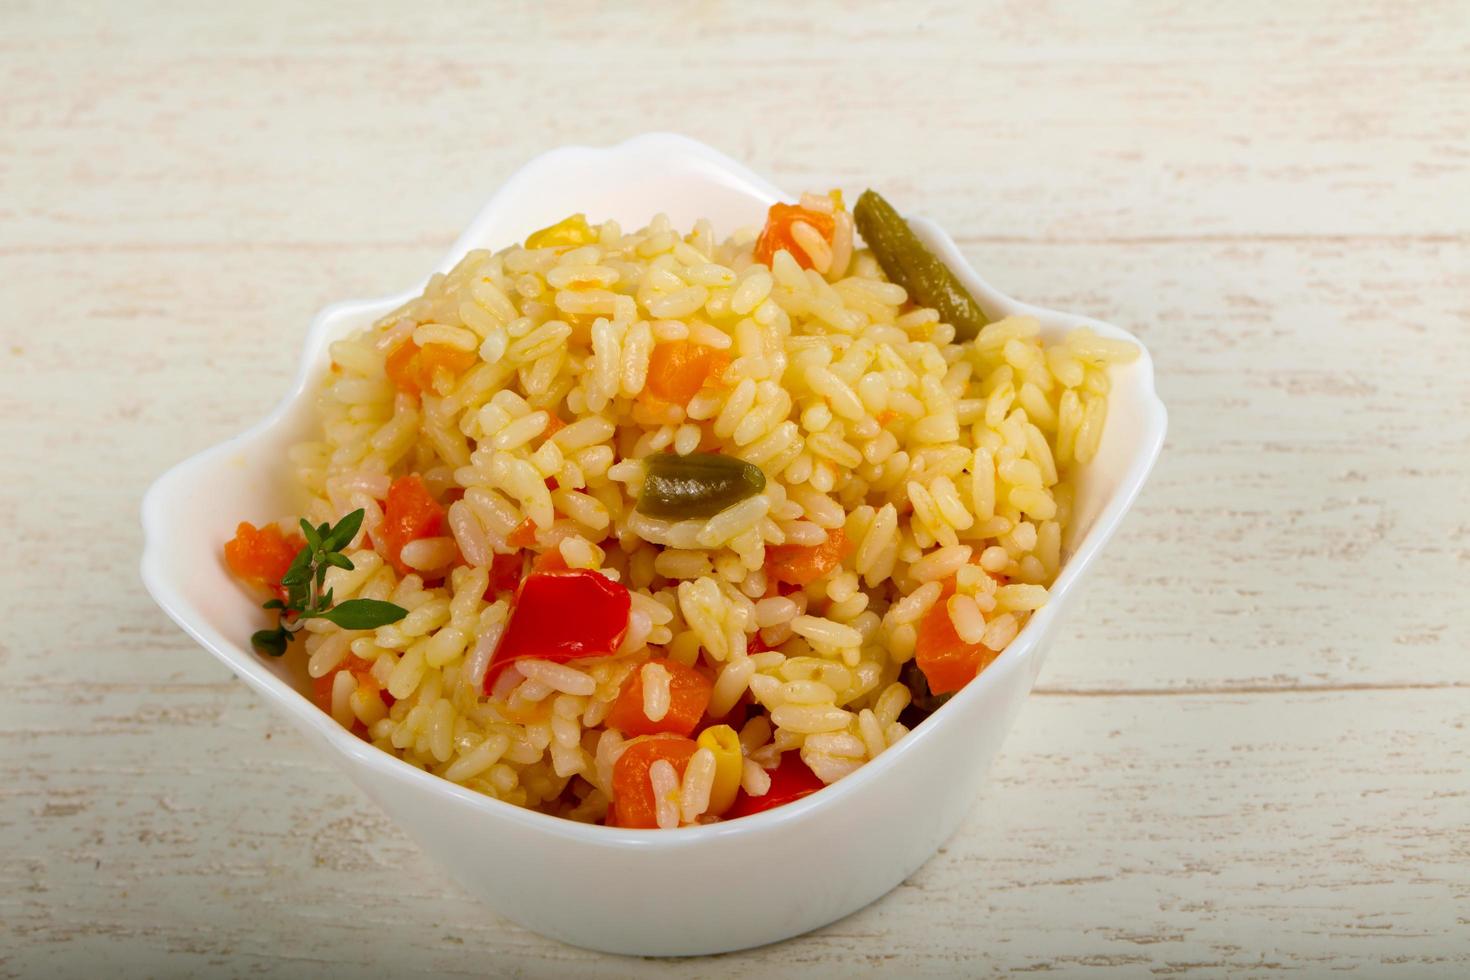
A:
{"points": [[654, 529]]}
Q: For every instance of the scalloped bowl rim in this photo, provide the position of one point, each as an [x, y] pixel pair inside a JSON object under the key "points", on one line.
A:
{"points": [[244, 662]]}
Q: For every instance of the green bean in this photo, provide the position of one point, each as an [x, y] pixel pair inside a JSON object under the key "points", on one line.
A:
{"points": [[909, 263], [697, 485]]}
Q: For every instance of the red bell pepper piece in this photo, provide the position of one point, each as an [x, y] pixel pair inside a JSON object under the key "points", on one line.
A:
{"points": [[505, 575], [560, 616], [790, 781]]}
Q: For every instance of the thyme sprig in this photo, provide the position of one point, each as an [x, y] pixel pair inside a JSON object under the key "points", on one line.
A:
{"points": [[303, 583]]}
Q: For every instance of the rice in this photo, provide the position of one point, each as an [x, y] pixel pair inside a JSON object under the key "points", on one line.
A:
{"points": [[699, 777], [947, 469], [656, 694], [558, 677], [665, 783]]}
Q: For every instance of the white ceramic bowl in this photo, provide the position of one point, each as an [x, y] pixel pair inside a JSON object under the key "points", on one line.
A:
{"points": [[779, 873]]}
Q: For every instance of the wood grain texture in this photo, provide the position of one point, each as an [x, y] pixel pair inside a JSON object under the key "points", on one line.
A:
{"points": [[1249, 754]]}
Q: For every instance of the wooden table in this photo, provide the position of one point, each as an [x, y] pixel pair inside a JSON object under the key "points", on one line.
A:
{"points": [[1249, 754]]}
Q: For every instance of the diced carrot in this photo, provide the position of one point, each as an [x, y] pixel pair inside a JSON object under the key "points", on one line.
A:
{"points": [[261, 556], [633, 802], [410, 513], [413, 369], [523, 535], [948, 662], [321, 690], [708, 441], [553, 425], [649, 410], [796, 564], [718, 362], [401, 367], [361, 669], [435, 359], [776, 235], [884, 417], [677, 369], [549, 560], [689, 693]]}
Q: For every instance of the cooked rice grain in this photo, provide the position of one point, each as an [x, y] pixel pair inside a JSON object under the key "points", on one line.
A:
{"points": [[942, 464]]}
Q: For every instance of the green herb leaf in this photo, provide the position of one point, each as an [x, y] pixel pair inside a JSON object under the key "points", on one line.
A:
{"points": [[300, 570], [303, 582], [313, 536], [298, 595], [364, 614], [271, 642], [339, 537]]}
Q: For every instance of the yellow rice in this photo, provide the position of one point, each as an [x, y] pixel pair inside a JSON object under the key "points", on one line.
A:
{"points": [[938, 460]]}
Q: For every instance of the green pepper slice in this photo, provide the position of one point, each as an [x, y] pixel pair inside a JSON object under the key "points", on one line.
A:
{"points": [[909, 263], [697, 485]]}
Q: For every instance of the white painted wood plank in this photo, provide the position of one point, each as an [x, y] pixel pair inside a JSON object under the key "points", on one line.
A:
{"points": [[1118, 121], [1144, 834], [1247, 755]]}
